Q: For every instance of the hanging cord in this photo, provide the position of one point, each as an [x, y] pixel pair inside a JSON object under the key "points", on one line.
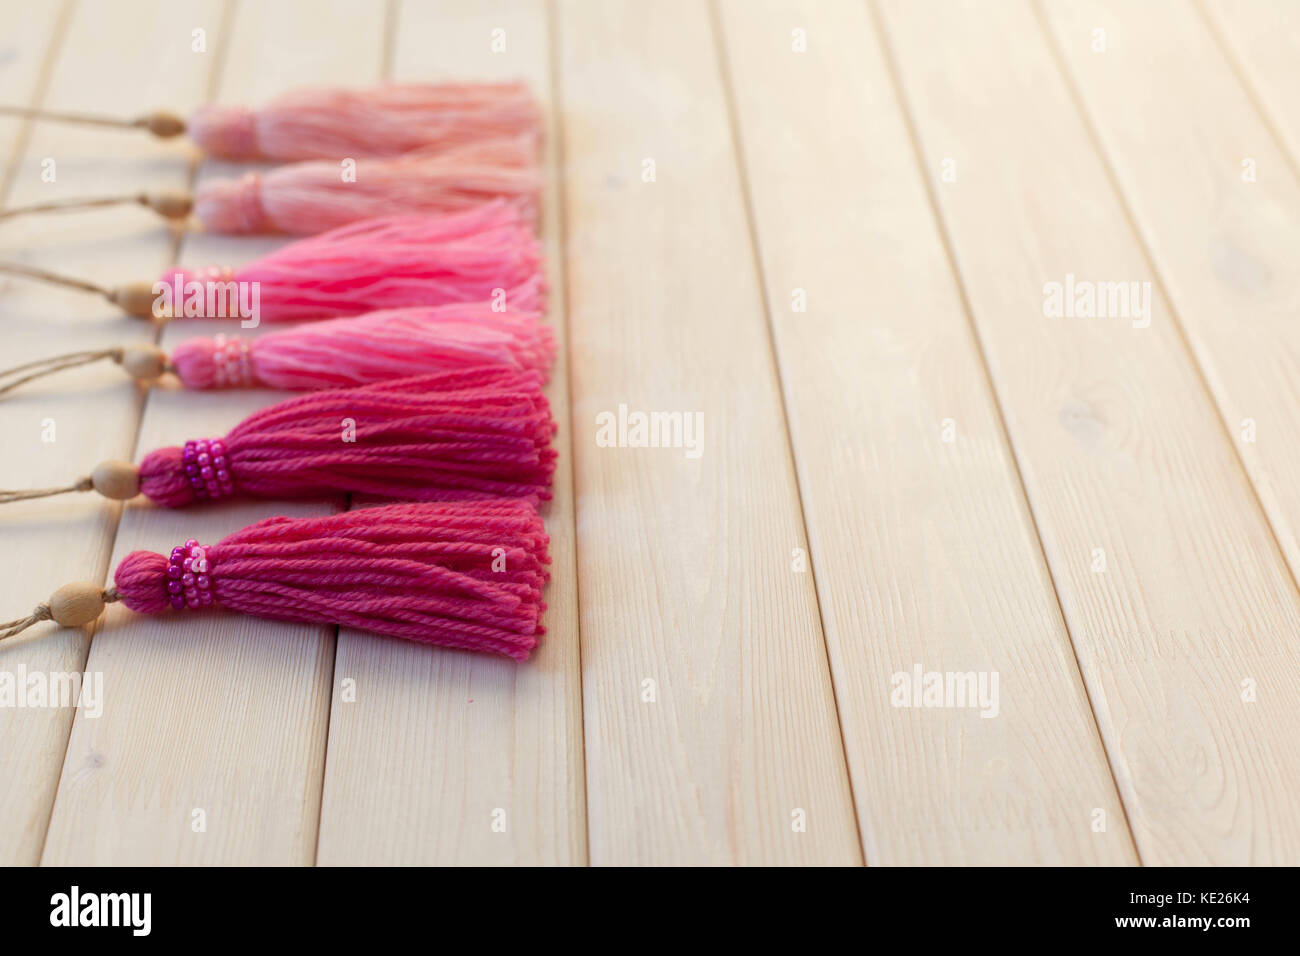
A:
{"points": [[135, 299], [167, 205], [43, 612], [42, 275], [11, 378], [28, 494], [162, 125]]}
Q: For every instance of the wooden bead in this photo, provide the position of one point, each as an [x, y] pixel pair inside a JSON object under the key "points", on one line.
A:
{"points": [[119, 480], [164, 125], [136, 299], [171, 205], [76, 604], [144, 363]]}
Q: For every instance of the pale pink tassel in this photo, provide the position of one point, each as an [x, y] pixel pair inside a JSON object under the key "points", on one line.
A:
{"points": [[485, 254], [307, 198], [334, 124], [370, 348]]}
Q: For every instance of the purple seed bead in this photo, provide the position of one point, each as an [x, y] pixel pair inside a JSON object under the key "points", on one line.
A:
{"points": [[201, 444], [187, 579], [174, 587], [191, 469], [204, 459], [191, 544], [218, 448], [206, 472], [223, 475], [173, 571], [205, 598], [189, 454], [178, 602], [203, 581]]}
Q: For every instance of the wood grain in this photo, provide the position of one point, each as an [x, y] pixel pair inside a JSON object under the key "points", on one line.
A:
{"points": [[1221, 233], [1119, 447], [446, 757], [687, 588], [108, 60], [216, 713], [1263, 42], [924, 549]]}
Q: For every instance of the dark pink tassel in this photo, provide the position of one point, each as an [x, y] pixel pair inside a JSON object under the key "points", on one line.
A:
{"points": [[485, 254], [460, 574], [467, 434]]}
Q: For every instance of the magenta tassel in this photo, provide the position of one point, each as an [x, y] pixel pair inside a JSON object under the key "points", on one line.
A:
{"points": [[375, 347], [467, 434], [327, 123], [460, 574], [307, 198], [485, 254]]}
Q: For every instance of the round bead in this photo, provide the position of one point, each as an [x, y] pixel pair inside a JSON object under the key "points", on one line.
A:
{"points": [[187, 579], [205, 598], [218, 448], [178, 602], [191, 544], [174, 587], [203, 581], [173, 571], [204, 459]]}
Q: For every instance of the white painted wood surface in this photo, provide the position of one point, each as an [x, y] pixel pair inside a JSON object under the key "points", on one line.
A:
{"points": [[933, 559], [1120, 449]]}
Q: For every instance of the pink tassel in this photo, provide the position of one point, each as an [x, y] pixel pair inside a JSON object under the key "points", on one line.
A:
{"points": [[466, 575], [466, 434], [389, 263], [307, 198], [375, 347], [327, 123]]}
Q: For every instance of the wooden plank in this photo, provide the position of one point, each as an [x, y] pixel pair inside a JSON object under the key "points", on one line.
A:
{"points": [[115, 60], [469, 741], [1221, 234], [933, 556], [686, 581], [217, 713], [32, 37], [1182, 638], [1263, 42]]}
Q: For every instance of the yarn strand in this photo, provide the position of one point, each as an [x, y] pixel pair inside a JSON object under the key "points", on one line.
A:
{"points": [[11, 378], [43, 612]]}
